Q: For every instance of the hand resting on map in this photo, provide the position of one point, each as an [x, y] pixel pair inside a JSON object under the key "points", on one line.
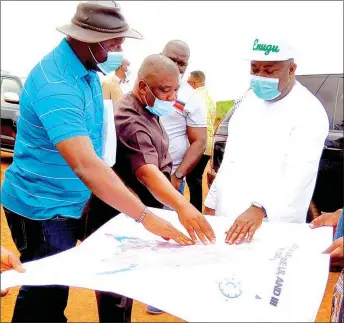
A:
{"points": [[9, 261], [336, 250], [244, 226]]}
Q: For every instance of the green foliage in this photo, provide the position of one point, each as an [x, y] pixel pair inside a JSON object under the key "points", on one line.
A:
{"points": [[222, 107]]}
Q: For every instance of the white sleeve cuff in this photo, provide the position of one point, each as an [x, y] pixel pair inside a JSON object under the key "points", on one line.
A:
{"points": [[210, 201]]}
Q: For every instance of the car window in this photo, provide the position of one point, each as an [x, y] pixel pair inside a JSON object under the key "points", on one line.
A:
{"points": [[9, 85], [325, 88], [338, 118], [311, 82], [327, 95]]}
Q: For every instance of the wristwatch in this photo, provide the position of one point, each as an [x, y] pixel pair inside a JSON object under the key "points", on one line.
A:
{"points": [[179, 175], [255, 204]]}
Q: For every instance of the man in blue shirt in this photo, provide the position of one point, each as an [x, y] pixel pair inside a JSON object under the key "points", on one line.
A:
{"points": [[57, 157]]}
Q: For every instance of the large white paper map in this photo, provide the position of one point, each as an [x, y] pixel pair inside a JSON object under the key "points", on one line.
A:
{"points": [[280, 276]]}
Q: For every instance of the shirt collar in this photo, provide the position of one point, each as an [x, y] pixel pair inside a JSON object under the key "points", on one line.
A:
{"points": [[117, 79], [65, 54]]}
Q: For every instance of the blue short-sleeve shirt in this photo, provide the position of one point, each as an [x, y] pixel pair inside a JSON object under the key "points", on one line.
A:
{"points": [[60, 100]]}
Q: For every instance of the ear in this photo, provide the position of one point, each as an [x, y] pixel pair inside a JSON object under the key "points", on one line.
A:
{"points": [[142, 87], [292, 69]]}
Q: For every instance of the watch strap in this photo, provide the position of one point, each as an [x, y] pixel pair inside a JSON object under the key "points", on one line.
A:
{"points": [[258, 205]]}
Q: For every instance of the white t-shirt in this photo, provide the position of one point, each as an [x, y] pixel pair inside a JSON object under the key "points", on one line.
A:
{"points": [[271, 157], [189, 111]]}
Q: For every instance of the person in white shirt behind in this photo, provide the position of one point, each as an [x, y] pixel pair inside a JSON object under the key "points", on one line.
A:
{"points": [[274, 144], [194, 179], [186, 125]]}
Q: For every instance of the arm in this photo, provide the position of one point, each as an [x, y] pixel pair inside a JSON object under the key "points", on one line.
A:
{"points": [[285, 200], [198, 142], [196, 122], [157, 183], [98, 177], [105, 184], [161, 188], [62, 115]]}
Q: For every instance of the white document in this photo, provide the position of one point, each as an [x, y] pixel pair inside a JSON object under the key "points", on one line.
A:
{"points": [[109, 144], [280, 276]]}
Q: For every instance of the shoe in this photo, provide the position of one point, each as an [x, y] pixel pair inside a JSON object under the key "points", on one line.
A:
{"points": [[153, 310]]}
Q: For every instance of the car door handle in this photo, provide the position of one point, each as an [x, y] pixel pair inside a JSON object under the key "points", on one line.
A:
{"points": [[335, 149]]}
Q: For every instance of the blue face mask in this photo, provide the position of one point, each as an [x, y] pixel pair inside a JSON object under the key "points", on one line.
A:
{"points": [[161, 108], [112, 63], [266, 88]]}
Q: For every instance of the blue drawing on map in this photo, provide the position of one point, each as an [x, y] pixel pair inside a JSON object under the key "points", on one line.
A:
{"points": [[230, 287], [111, 272], [127, 243], [258, 297]]}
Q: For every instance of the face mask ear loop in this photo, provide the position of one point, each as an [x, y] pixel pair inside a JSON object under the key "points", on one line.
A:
{"points": [[92, 54], [150, 92], [288, 78], [103, 48]]}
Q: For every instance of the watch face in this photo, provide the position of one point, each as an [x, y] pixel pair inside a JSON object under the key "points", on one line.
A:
{"points": [[179, 175]]}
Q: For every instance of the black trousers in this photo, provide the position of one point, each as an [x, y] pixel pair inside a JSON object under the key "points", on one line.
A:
{"points": [[35, 240], [194, 181], [112, 307]]}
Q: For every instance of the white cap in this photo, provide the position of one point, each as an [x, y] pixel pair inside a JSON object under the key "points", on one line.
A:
{"points": [[271, 50]]}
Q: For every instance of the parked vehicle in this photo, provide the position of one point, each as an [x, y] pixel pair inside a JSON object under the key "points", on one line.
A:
{"points": [[11, 87], [328, 194]]}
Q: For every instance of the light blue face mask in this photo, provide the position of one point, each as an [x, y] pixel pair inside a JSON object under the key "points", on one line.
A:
{"points": [[161, 108], [112, 63], [266, 88]]}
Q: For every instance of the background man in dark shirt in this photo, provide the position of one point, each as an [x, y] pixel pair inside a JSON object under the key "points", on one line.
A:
{"points": [[143, 161]]}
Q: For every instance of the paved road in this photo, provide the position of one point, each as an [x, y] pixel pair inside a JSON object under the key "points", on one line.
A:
{"points": [[82, 304]]}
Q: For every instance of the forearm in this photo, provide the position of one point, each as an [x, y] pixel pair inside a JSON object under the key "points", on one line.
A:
{"points": [[161, 188], [107, 186], [192, 156]]}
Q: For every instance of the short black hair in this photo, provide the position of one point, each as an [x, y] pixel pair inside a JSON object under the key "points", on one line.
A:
{"points": [[199, 76]]}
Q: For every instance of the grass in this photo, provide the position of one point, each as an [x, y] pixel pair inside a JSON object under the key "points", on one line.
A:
{"points": [[222, 107]]}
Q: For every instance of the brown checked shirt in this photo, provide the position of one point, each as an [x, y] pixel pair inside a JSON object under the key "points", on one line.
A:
{"points": [[141, 140]]}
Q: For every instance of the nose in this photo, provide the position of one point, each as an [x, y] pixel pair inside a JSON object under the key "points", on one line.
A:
{"points": [[116, 48], [173, 96]]}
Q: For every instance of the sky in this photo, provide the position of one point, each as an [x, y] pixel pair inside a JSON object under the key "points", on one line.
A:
{"points": [[217, 33]]}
